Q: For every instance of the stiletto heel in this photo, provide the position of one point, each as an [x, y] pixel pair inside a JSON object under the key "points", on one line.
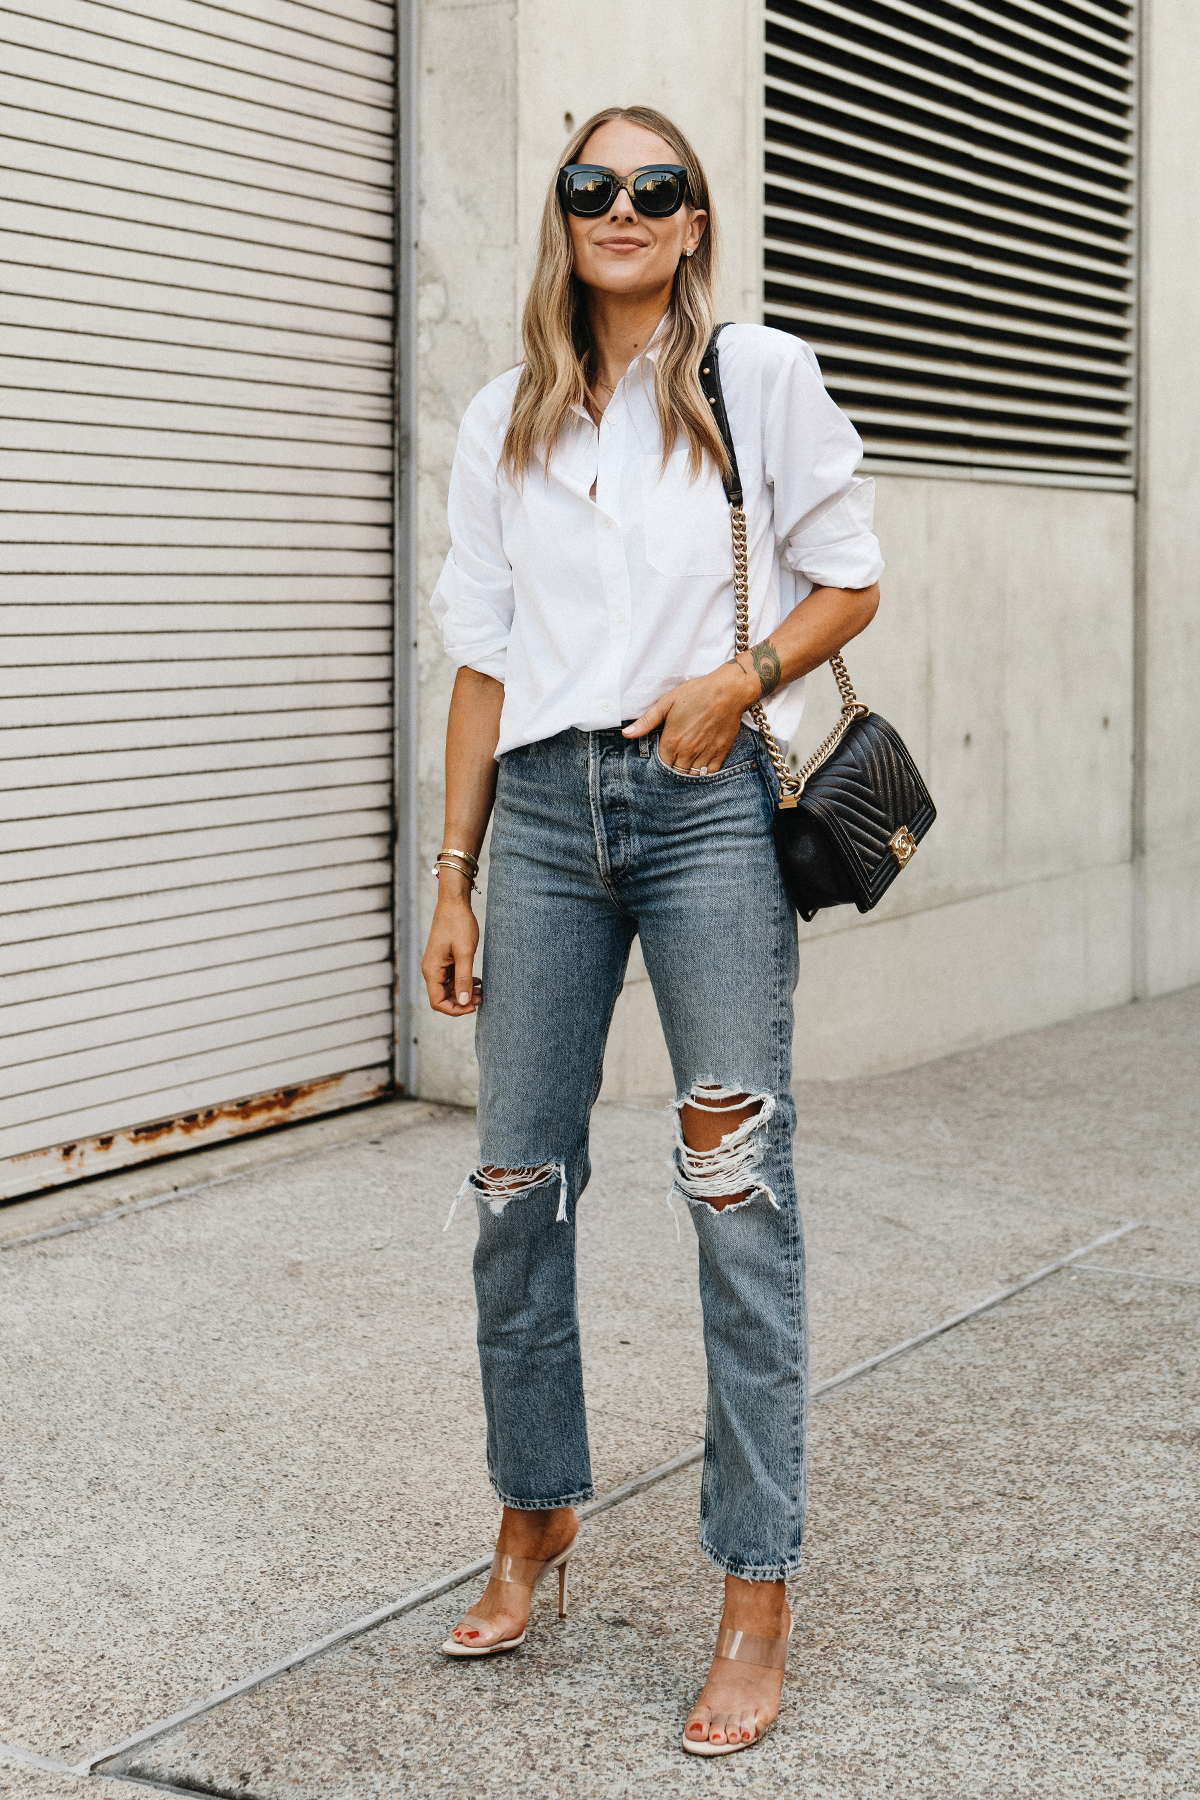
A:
{"points": [[520, 1572]]}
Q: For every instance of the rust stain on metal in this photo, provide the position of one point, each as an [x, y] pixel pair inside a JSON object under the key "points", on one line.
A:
{"points": [[88, 1157], [259, 1110]]}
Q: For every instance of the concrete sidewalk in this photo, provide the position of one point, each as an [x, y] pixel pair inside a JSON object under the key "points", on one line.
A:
{"points": [[235, 1422]]}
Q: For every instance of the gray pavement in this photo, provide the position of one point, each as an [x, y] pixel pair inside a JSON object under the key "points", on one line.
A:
{"points": [[20, 1783], [981, 1605], [239, 1420]]}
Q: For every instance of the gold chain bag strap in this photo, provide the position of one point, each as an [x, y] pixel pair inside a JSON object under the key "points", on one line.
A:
{"points": [[851, 818], [791, 786]]}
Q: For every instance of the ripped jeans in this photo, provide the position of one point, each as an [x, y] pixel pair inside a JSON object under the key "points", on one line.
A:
{"points": [[594, 841]]}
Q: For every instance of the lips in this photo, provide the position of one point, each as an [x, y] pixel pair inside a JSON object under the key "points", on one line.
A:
{"points": [[621, 243]]}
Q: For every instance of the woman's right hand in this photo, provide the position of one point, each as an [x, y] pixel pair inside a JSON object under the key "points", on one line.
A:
{"points": [[472, 733], [449, 960]]}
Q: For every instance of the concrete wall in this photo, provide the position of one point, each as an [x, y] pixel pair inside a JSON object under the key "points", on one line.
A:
{"points": [[1015, 628], [466, 334], [1167, 815]]}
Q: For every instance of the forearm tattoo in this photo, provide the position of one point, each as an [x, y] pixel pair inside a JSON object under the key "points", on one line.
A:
{"points": [[767, 666]]}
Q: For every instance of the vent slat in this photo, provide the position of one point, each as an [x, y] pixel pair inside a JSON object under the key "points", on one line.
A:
{"points": [[1042, 108], [959, 178], [935, 260], [959, 27], [957, 130], [949, 220], [912, 233]]}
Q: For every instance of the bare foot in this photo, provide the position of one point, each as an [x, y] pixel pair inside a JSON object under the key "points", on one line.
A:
{"points": [[537, 1535], [741, 1699]]}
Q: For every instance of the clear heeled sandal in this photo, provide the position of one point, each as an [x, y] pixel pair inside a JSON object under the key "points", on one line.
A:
{"points": [[755, 1651], [523, 1572]]}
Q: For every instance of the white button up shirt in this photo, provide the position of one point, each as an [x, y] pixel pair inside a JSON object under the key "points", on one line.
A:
{"points": [[588, 610]]}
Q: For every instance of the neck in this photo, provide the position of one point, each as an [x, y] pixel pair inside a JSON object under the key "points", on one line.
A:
{"points": [[622, 325]]}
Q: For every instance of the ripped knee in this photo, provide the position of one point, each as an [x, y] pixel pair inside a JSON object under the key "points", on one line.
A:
{"points": [[498, 1186], [720, 1141]]}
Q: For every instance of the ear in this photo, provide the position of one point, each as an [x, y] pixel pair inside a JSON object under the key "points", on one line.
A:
{"points": [[697, 226]]}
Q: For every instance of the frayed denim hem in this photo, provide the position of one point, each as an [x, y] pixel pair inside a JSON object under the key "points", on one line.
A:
{"points": [[780, 1572], [588, 1493]]}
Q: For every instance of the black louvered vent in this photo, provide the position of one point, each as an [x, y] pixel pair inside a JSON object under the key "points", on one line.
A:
{"points": [[950, 222]]}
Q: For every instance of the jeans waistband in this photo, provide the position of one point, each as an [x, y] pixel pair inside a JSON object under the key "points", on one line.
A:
{"points": [[609, 731]]}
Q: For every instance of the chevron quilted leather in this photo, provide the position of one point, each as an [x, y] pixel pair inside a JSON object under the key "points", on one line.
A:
{"points": [[833, 847]]}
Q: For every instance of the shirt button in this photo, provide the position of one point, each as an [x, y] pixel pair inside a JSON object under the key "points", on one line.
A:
{"points": [[620, 618], [604, 706]]}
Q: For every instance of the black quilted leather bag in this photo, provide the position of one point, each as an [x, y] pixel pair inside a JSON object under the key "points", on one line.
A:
{"points": [[852, 817]]}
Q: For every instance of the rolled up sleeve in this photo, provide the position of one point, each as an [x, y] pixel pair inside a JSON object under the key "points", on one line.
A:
{"points": [[823, 512], [473, 600]]}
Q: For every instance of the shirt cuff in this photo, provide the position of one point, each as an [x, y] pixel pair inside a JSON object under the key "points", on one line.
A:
{"points": [[837, 547], [493, 665], [474, 619]]}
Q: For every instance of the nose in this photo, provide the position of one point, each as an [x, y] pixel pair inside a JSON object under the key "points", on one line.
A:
{"points": [[627, 211]]}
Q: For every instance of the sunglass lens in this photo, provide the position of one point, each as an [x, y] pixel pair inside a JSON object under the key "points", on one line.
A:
{"points": [[589, 191], [658, 192]]}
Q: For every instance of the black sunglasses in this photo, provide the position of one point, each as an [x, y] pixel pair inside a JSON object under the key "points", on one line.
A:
{"points": [[587, 189]]}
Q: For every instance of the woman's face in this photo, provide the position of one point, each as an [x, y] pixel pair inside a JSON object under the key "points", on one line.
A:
{"points": [[622, 252]]}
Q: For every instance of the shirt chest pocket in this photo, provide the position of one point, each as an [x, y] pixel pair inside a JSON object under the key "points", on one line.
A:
{"points": [[687, 522]]}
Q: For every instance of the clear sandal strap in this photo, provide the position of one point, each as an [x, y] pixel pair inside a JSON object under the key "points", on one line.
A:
{"points": [[747, 1647], [521, 1571]]}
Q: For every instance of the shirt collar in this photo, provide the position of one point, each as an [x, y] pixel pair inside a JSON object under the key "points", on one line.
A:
{"points": [[658, 338]]}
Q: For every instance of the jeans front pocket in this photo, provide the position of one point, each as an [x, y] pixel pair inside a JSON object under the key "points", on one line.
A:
{"points": [[741, 760]]}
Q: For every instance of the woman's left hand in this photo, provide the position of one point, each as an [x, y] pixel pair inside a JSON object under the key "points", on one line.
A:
{"points": [[699, 719]]}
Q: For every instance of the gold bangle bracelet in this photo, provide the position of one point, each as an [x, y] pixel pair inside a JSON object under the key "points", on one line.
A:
{"points": [[457, 870], [465, 854]]}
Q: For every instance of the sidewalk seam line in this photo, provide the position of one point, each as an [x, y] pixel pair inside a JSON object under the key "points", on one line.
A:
{"points": [[1138, 1275], [446, 1583], [161, 1785], [973, 1312], [31, 1759]]}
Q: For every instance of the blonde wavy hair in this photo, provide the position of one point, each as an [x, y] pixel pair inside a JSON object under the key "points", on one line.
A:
{"points": [[556, 338]]}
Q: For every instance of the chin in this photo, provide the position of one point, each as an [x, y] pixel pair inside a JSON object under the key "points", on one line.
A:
{"points": [[625, 278]]}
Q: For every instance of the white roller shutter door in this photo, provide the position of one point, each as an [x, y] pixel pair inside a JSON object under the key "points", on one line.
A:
{"points": [[195, 709]]}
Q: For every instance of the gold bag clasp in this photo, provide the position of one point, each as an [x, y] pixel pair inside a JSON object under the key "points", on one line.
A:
{"points": [[903, 845]]}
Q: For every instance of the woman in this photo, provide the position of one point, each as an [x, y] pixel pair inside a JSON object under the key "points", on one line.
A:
{"points": [[597, 718]]}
